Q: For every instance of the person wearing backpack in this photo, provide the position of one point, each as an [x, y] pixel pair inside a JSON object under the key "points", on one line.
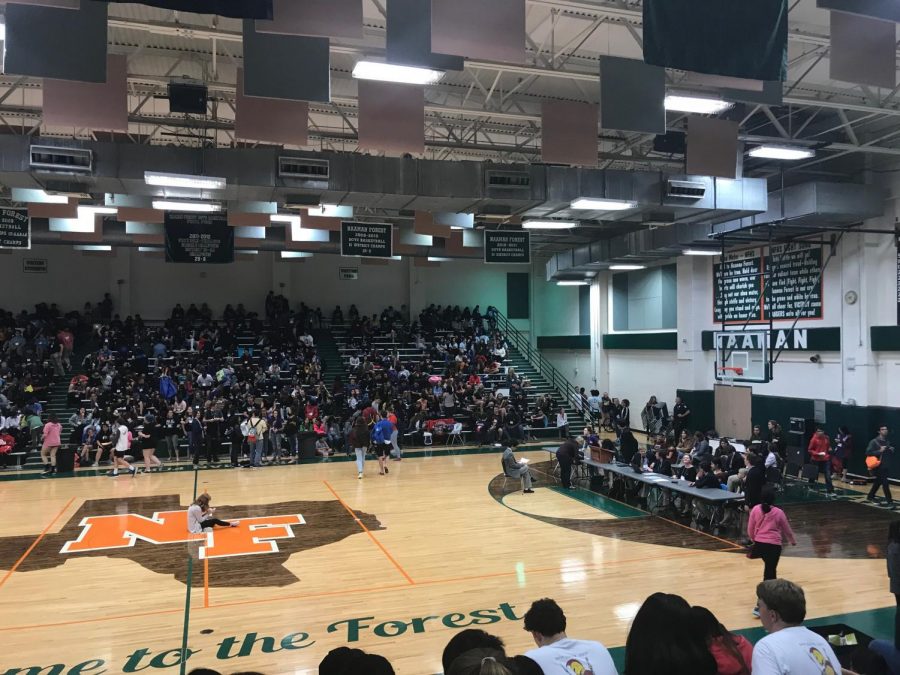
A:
{"points": [[256, 431], [767, 528], [878, 461]]}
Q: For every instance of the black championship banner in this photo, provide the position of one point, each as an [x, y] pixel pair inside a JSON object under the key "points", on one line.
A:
{"points": [[198, 238], [15, 229], [367, 240], [507, 247]]}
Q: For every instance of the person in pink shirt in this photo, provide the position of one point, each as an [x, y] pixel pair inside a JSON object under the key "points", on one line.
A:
{"points": [[50, 444], [767, 528]]}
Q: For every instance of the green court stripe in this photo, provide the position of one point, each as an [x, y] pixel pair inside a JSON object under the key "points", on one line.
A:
{"points": [[187, 599], [601, 503]]}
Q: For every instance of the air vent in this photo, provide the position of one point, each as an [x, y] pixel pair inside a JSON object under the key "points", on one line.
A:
{"points": [[61, 160], [685, 189], [303, 168], [509, 180]]}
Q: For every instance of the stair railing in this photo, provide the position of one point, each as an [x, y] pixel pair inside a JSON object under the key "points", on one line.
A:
{"points": [[548, 371]]}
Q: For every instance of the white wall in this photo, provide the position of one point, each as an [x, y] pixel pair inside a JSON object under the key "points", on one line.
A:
{"points": [[554, 308]]}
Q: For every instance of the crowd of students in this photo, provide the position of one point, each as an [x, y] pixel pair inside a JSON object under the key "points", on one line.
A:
{"points": [[667, 636]]}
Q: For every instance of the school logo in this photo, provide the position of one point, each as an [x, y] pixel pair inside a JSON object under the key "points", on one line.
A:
{"points": [[153, 532]]}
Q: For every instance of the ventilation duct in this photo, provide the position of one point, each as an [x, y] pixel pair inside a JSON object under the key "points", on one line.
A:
{"points": [[60, 160], [507, 180], [304, 168], [685, 189]]}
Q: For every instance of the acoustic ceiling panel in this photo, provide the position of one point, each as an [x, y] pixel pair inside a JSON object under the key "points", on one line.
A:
{"points": [[889, 10], [408, 37], [391, 117], [569, 133], [494, 30], [863, 50], [316, 18], [712, 147], [632, 95], [89, 105], [270, 120], [291, 67], [64, 44]]}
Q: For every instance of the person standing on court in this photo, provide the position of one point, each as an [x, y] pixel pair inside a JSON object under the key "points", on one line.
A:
{"points": [[359, 441], [820, 454], [893, 568], [878, 460], [558, 654], [768, 528], [381, 439], [50, 444], [120, 447], [566, 455]]}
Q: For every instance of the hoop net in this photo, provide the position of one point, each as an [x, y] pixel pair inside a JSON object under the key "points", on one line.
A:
{"points": [[728, 373]]}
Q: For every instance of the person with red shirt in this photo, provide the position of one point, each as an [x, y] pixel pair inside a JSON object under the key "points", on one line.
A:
{"points": [[396, 452], [820, 454], [733, 653]]}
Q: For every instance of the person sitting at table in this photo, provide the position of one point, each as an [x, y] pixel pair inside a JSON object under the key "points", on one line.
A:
{"points": [[673, 456], [640, 461], [718, 468], [688, 469], [706, 479], [516, 469], [725, 448], [735, 482], [685, 442], [661, 464]]}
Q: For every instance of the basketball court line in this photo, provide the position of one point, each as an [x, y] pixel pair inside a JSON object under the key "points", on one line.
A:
{"points": [[368, 532], [35, 542]]}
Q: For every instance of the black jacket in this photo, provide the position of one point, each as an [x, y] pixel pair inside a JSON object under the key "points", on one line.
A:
{"points": [[753, 485]]}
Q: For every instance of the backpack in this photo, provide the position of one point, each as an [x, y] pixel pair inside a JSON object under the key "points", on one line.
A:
{"points": [[167, 388]]}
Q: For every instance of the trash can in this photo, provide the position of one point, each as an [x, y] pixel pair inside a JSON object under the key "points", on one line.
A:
{"points": [[65, 459]]}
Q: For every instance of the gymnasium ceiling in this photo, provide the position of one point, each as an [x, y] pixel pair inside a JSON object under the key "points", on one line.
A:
{"points": [[488, 111], [491, 111]]}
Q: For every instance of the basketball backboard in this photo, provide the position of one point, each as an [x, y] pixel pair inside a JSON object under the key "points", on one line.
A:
{"points": [[742, 356]]}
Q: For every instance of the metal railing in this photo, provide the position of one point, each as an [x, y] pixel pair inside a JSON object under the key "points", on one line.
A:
{"points": [[547, 370]]}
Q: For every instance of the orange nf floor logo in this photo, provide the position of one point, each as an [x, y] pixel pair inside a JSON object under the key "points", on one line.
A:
{"points": [[253, 536]]}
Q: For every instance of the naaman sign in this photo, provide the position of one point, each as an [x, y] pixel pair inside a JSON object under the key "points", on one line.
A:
{"points": [[797, 340]]}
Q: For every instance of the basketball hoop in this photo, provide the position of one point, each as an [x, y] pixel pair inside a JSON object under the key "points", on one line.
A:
{"points": [[728, 373]]}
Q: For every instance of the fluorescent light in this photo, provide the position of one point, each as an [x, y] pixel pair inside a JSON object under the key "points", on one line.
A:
{"points": [[249, 251], [107, 210], [433, 258], [627, 268], [201, 207], [92, 247], [2, 31], [591, 204], [181, 180], [784, 152], [286, 255], [150, 249], [549, 224], [331, 211], [572, 283], [389, 72], [37, 196], [700, 251], [696, 104], [284, 218]]}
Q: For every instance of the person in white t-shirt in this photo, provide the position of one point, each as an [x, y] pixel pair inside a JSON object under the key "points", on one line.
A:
{"points": [[789, 648], [558, 654], [120, 434]]}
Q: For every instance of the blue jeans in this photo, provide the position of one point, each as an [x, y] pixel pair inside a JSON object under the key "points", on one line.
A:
{"points": [[360, 459], [293, 444], [256, 452], [826, 467], [275, 441]]}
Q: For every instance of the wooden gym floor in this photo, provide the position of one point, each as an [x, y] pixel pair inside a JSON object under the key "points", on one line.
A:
{"points": [[390, 564]]}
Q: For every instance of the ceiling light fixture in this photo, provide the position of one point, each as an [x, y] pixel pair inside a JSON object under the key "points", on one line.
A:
{"points": [[592, 204], [390, 72], [180, 180], [784, 152], [627, 268], [695, 104], [434, 258], [573, 283], [700, 251], [199, 207], [287, 255], [549, 224]]}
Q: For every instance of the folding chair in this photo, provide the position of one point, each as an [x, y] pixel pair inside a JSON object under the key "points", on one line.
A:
{"points": [[455, 435], [774, 476]]}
